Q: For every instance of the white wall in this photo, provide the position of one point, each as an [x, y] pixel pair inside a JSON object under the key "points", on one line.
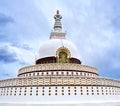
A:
{"points": [[54, 94]]}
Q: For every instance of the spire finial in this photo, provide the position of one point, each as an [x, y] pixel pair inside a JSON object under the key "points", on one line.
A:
{"points": [[57, 12], [57, 25], [57, 32]]}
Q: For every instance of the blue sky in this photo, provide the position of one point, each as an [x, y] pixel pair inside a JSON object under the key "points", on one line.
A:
{"points": [[92, 25]]}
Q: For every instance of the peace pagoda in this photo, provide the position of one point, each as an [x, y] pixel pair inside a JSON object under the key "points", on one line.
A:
{"points": [[58, 77]]}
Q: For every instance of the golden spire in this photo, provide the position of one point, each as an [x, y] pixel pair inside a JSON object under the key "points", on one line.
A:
{"points": [[57, 12]]}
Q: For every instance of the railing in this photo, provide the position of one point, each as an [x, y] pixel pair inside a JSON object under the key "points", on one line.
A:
{"points": [[57, 66], [59, 81]]}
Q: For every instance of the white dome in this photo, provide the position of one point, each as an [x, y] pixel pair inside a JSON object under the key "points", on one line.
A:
{"points": [[50, 47]]}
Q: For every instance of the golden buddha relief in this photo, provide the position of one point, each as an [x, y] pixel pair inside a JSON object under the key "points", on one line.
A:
{"points": [[63, 55]]}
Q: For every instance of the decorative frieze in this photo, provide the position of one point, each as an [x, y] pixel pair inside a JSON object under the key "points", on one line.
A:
{"points": [[57, 66], [58, 80]]}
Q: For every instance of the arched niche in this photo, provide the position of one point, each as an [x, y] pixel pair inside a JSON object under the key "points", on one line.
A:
{"points": [[63, 55]]}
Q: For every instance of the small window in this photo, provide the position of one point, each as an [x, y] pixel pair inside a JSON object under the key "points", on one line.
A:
{"points": [[75, 93], [52, 73], [72, 73], [67, 72], [33, 74], [76, 73]]}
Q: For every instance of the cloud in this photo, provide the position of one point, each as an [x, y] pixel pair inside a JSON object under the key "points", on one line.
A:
{"points": [[3, 37], [13, 58], [22, 46], [9, 70], [7, 56], [15, 53], [4, 19]]}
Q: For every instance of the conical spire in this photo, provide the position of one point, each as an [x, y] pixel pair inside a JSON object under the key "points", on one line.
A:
{"points": [[57, 32]]}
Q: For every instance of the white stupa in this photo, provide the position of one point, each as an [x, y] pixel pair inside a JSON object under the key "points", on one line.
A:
{"points": [[58, 78]]}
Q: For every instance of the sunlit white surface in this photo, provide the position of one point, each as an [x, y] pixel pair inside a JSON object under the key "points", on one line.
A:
{"points": [[50, 47]]}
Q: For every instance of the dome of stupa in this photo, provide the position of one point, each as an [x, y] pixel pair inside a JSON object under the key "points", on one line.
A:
{"points": [[50, 48]]}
